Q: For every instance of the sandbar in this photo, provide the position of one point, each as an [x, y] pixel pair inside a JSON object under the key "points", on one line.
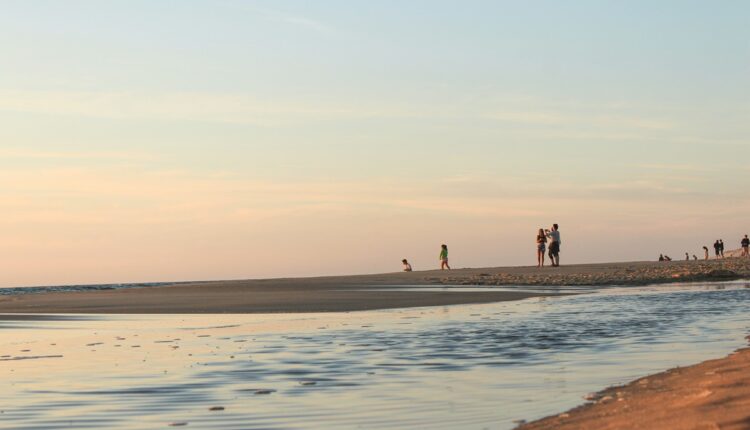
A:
{"points": [[366, 292]]}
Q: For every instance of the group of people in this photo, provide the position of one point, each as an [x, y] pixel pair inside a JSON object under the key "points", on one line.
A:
{"points": [[718, 250], [545, 235], [443, 260], [552, 236]]}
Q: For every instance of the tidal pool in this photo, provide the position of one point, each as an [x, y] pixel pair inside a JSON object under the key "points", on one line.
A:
{"points": [[467, 366]]}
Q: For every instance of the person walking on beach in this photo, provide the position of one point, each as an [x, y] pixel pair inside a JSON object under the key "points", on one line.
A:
{"points": [[705, 253], [687, 257], [745, 245], [444, 257], [716, 249], [541, 245], [661, 257], [554, 245], [407, 266], [721, 248]]}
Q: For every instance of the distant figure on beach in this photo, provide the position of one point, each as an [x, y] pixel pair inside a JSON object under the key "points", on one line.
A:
{"points": [[554, 245], [745, 245], [661, 257], [687, 257], [407, 266], [667, 258], [444, 257], [705, 253], [717, 251], [721, 248], [541, 245], [695, 257]]}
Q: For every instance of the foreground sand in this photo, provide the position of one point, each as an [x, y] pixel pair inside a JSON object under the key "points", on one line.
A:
{"points": [[711, 395], [364, 292]]}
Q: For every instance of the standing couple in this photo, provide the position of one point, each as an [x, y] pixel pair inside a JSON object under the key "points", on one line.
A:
{"points": [[719, 248], [554, 245]]}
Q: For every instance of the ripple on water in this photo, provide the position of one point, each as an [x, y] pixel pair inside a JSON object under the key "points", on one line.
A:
{"points": [[448, 368]]}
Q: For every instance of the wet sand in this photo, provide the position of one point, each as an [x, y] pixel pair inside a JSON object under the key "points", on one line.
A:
{"points": [[364, 292], [711, 395]]}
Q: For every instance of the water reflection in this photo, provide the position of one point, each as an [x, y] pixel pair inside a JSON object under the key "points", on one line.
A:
{"points": [[480, 366]]}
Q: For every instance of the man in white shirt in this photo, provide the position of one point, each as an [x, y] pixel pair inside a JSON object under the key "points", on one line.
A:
{"points": [[554, 245]]}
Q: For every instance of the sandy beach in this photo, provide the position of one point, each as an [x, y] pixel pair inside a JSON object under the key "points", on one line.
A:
{"points": [[513, 351], [366, 292], [711, 395]]}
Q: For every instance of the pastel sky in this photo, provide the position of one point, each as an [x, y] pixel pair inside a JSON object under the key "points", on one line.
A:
{"points": [[165, 140]]}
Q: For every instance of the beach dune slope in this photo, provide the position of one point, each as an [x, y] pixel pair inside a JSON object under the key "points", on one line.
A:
{"points": [[711, 395]]}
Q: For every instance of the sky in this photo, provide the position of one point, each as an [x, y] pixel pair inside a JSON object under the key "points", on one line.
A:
{"points": [[225, 139]]}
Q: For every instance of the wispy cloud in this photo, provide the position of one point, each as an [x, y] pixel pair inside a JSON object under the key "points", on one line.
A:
{"points": [[21, 153], [518, 119], [238, 108], [547, 118], [96, 195], [183, 106], [297, 20], [284, 17], [675, 167], [639, 186]]}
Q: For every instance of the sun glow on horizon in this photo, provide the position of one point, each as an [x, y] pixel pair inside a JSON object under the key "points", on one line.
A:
{"points": [[256, 139]]}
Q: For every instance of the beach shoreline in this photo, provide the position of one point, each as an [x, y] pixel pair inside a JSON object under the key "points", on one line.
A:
{"points": [[366, 292], [713, 394], [710, 395]]}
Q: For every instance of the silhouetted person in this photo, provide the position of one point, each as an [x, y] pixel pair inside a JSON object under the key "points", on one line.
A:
{"points": [[407, 266], [554, 244], [667, 258], [745, 245], [661, 257], [541, 245], [717, 250], [695, 257], [705, 253], [444, 257], [721, 248], [687, 257]]}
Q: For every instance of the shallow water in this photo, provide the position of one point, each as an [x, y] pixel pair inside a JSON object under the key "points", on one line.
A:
{"points": [[540, 289], [15, 291], [469, 366]]}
